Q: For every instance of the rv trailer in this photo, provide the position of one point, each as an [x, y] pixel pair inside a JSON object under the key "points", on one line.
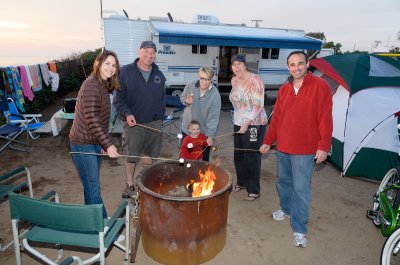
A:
{"points": [[182, 48]]}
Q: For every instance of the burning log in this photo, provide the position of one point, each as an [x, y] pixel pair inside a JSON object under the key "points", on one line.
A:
{"points": [[180, 191]]}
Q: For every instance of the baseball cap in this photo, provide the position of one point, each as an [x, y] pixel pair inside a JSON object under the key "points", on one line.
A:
{"points": [[239, 58], [148, 44]]}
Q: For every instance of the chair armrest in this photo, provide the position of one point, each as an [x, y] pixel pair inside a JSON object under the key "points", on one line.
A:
{"points": [[50, 195], [19, 121], [11, 173], [32, 115], [115, 216]]}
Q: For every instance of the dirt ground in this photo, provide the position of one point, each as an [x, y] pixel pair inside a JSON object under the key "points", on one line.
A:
{"points": [[339, 232]]}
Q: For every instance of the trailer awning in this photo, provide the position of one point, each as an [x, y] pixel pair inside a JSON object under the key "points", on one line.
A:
{"points": [[228, 35]]}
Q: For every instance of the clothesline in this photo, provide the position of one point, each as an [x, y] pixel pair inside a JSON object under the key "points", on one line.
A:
{"points": [[20, 82]]}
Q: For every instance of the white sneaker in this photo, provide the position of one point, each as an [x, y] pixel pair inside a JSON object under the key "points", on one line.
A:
{"points": [[300, 240], [279, 215]]}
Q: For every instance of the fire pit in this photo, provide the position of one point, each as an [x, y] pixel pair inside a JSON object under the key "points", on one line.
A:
{"points": [[182, 230]]}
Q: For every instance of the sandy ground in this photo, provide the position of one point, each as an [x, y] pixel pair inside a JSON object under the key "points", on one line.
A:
{"points": [[339, 232]]}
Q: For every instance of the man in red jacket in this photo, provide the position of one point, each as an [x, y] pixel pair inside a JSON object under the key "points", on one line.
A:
{"points": [[301, 126]]}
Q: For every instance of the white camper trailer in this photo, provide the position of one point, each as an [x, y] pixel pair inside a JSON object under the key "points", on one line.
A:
{"points": [[182, 48]]}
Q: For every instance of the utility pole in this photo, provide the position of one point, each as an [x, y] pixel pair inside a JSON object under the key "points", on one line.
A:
{"points": [[257, 22], [101, 9]]}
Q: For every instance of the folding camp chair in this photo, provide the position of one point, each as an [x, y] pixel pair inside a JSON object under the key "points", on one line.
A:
{"points": [[170, 124], [30, 122], [10, 132], [11, 181], [61, 225]]}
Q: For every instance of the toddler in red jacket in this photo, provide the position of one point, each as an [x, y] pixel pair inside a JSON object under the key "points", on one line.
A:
{"points": [[193, 144]]}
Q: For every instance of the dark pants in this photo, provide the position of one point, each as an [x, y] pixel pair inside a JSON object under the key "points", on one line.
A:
{"points": [[206, 152], [248, 162]]}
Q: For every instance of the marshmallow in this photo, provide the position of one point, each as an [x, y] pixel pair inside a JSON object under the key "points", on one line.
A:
{"points": [[190, 145], [188, 165], [181, 160], [179, 136]]}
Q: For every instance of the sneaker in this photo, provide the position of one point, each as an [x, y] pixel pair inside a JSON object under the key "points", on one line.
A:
{"points": [[279, 215], [128, 192], [300, 240]]}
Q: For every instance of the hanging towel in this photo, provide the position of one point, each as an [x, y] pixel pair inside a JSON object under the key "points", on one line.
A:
{"points": [[45, 73], [36, 78], [16, 89], [25, 83], [28, 74], [55, 80], [52, 67], [5, 88]]}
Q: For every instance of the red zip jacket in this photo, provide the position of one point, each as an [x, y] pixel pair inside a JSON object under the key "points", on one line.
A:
{"points": [[302, 123]]}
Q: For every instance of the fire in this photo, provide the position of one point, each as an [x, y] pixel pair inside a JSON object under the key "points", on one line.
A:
{"points": [[205, 185]]}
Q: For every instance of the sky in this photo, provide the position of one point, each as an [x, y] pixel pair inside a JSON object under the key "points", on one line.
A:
{"points": [[38, 31]]}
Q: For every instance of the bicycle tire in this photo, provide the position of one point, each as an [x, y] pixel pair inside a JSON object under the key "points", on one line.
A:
{"points": [[389, 179], [390, 253]]}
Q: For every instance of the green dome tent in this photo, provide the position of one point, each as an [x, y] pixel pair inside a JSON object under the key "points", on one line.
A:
{"points": [[366, 110]]}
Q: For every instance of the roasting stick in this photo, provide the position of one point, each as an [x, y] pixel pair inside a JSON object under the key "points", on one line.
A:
{"points": [[225, 134], [155, 129], [241, 149], [149, 128], [155, 158], [180, 135]]}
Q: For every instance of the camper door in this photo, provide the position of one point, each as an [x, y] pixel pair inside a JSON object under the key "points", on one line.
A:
{"points": [[252, 58]]}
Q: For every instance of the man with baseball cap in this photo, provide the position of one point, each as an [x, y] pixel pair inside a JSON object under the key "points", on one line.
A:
{"points": [[140, 100]]}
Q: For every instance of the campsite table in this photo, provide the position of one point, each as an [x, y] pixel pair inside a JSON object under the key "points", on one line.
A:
{"points": [[59, 120]]}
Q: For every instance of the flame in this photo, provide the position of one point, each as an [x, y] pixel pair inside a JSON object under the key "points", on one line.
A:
{"points": [[205, 185]]}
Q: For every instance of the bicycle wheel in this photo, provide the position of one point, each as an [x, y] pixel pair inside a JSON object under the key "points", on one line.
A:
{"points": [[390, 251], [391, 178]]}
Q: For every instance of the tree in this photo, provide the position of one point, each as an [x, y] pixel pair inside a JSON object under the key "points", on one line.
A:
{"points": [[330, 44], [317, 35], [395, 50]]}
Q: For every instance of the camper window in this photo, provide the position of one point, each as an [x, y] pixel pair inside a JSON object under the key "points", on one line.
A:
{"points": [[202, 49], [270, 53]]}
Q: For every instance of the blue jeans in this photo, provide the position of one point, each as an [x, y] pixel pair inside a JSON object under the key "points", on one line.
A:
{"points": [[88, 167], [293, 185]]}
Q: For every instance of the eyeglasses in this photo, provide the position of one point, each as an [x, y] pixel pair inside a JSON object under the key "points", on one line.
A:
{"points": [[205, 79]]}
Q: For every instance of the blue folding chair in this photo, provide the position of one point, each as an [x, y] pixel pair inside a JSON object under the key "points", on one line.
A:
{"points": [[30, 122], [10, 132], [170, 124]]}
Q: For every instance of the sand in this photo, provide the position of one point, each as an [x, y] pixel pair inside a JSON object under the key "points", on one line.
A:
{"points": [[339, 232]]}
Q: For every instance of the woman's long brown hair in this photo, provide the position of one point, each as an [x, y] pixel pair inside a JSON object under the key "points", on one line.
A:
{"points": [[112, 83]]}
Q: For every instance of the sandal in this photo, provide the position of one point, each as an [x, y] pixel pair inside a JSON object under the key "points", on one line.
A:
{"points": [[237, 188], [251, 197]]}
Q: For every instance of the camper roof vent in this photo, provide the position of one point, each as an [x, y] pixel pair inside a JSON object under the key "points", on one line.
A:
{"points": [[205, 19], [154, 18]]}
